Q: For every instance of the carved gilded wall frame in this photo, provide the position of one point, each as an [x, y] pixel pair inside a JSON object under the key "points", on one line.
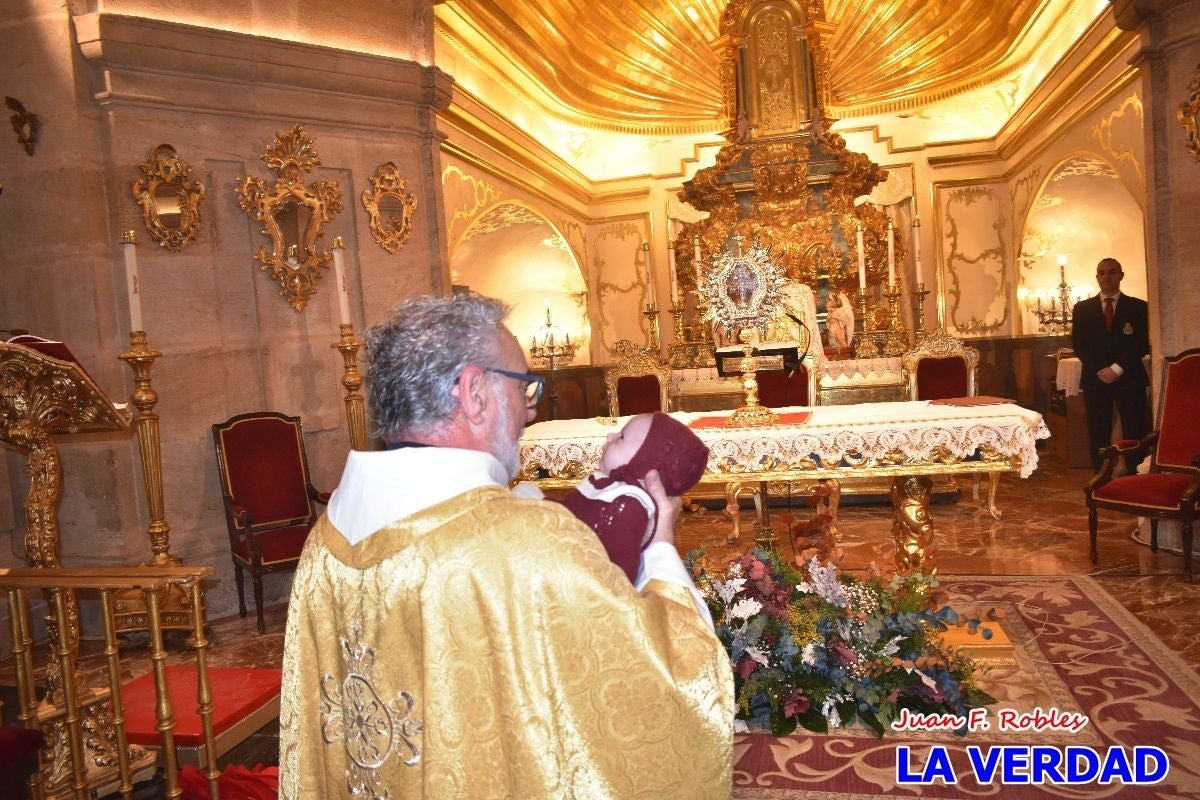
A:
{"points": [[292, 215], [169, 197], [390, 206], [1189, 116]]}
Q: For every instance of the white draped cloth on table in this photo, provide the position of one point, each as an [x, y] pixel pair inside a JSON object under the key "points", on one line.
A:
{"points": [[916, 429]]}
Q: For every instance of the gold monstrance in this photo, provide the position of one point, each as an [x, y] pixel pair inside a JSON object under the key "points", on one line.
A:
{"points": [[742, 291]]}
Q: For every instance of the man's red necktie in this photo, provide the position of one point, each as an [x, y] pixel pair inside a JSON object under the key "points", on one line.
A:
{"points": [[1108, 313]]}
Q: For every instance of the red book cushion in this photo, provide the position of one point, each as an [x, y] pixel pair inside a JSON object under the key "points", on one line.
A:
{"points": [[283, 544], [1158, 490], [236, 692]]}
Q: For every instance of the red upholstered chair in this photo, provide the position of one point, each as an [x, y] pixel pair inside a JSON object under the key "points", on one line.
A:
{"points": [[940, 366], [780, 388], [268, 496], [1171, 488], [639, 383]]}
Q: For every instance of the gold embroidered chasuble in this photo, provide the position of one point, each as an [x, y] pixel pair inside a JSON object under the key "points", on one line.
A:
{"points": [[487, 648]]}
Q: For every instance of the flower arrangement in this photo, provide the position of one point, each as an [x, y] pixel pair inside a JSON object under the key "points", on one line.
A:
{"points": [[816, 649]]}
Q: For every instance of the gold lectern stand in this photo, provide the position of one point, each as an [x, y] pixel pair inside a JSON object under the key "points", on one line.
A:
{"points": [[40, 396]]}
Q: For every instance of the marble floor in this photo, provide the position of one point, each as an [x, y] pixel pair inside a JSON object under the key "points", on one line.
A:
{"points": [[1043, 531]]}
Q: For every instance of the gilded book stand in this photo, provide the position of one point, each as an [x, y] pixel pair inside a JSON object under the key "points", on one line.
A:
{"points": [[42, 396]]}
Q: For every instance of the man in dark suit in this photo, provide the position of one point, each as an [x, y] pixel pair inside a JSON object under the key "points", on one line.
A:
{"points": [[1110, 335]]}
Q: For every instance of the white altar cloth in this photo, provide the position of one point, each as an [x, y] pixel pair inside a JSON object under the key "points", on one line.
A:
{"points": [[914, 432]]}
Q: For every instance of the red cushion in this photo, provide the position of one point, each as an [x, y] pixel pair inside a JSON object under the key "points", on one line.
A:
{"points": [[1179, 441], [237, 692], [1158, 490], [283, 544], [266, 469], [776, 389], [639, 395], [938, 378]]}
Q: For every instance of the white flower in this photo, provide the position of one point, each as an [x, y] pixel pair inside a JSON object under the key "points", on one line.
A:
{"points": [[826, 584], [829, 710], [758, 655], [740, 726], [925, 679], [891, 647], [809, 654], [727, 589], [745, 608]]}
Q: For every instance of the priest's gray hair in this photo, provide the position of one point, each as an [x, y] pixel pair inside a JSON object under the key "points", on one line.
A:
{"points": [[414, 359]]}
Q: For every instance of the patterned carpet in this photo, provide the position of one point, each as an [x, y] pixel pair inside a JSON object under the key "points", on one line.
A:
{"points": [[1073, 648]]}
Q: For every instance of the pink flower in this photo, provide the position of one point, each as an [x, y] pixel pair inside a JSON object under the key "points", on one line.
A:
{"points": [[795, 703], [746, 668], [757, 570]]}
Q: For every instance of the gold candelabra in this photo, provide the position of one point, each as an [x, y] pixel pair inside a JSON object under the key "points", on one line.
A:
{"points": [[896, 338], [552, 346], [348, 345], [1055, 317], [651, 315], [866, 346]]}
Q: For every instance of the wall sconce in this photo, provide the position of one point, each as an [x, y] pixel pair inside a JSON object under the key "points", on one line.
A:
{"points": [[1052, 307]]}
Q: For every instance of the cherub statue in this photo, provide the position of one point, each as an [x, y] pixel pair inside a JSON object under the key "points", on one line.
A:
{"points": [[839, 319]]}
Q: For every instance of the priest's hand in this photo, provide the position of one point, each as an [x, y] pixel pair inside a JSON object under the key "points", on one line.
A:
{"points": [[668, 508]]}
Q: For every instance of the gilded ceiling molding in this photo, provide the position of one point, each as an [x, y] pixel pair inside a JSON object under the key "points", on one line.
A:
{"points": [[1104, 136], [955, 259]]}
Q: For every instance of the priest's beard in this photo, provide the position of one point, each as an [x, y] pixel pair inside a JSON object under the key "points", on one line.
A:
{"points": [[506, 446]]}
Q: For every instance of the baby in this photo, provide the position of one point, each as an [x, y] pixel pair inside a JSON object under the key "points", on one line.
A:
{"points": [[613, 502]]}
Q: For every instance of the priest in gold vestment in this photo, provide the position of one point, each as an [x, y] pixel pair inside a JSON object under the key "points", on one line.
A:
{"points": [[447, 639]]}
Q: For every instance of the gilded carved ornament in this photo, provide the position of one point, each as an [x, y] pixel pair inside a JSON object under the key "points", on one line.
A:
{"points": [[1189, 116], [292, 215], [169, 197], [390, 206]]}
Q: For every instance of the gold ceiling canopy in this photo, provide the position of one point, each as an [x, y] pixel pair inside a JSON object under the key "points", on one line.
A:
{"points": [[648, 66]]}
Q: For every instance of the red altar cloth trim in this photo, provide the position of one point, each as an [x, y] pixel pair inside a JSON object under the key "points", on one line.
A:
{"points": [[237, 693], [237, 782], [968, 402], [791, 418]]}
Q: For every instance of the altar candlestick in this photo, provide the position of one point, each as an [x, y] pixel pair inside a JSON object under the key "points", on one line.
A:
{"points": [[132, 281], [862, 261], [916, 241], [649, 274], [891, 255], [673, 275], [339, 276]]}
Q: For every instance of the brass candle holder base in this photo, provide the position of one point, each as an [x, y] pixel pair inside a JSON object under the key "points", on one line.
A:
{"points": [[356, 419], [751, 414]]}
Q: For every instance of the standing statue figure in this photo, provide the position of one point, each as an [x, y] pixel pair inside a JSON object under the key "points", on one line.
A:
{"points": [[839, 319]]}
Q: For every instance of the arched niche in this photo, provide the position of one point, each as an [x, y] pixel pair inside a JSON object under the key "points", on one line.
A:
{"points": [[513, 253], [1083, 211]]}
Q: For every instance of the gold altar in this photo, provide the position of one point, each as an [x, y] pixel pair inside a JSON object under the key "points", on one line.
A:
{"points": [[905, 442]]}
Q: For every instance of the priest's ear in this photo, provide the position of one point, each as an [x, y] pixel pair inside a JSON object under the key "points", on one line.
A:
{"points": [[471, 391]]}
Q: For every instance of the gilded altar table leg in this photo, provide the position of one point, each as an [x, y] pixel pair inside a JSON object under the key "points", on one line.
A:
{"points": [[912, 525], [993, 485], [732, 490], [831, 504], [763, 535]]}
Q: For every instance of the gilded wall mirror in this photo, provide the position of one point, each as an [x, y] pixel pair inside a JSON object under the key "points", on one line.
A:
{"points": [[169, 198], [390, 206], [1189, 116], [292, 215]]}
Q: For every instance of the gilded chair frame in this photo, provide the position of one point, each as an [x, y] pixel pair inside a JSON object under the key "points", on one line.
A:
{"points": [[636, 361], [939, 344]]}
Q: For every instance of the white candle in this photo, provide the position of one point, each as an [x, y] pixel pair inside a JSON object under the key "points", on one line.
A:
{"points": [[862, 261], [132, 281], [891, 255], [916, 241], [339, 276], [674, 277], [649, 274]]}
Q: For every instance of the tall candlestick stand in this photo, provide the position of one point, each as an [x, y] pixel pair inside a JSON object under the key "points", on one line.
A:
{"points": [[356, 419], [681, 354], [919, 293], [896, 340], [866, 347], [651, 315], [175, 604], [551, 352]]}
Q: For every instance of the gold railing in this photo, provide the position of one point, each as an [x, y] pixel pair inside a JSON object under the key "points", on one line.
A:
{"points": [[86, 752]]}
